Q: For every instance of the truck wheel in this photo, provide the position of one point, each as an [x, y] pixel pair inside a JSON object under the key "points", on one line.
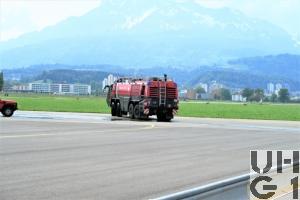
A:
{"points": [[119, 112], [161, 117], [167, 119], [137, 111], [113, 109], [130, 110], [7, 111]]}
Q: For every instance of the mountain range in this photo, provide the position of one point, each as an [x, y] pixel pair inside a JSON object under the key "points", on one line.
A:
{"points": [[254, 72], [152, 33]]}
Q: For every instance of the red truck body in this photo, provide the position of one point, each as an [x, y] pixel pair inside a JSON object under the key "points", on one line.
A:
{"points": [[8, 107], [141, 98]]}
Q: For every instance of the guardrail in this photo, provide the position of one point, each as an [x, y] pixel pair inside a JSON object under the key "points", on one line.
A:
{"points": [[232, 188]]}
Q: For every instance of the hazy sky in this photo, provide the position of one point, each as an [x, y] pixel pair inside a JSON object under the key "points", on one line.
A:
{"points": [[20, 16]]}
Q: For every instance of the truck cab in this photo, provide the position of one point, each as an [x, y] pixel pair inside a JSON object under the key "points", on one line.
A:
{"points": [[8, 107]]}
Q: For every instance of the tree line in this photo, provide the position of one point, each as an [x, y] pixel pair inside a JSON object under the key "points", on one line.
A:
{"points": [[251, 95], [217, 94], [258, 95]]}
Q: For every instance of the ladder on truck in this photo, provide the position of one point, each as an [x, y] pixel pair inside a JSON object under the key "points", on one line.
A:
{"points": [[162, 94]]}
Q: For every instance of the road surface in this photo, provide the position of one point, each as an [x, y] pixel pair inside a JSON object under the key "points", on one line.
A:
{"points": [[92, 156]]}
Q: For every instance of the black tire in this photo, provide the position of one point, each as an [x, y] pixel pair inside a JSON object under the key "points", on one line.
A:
{"points": [[7, 111], [163, 117], [159, 117], [113, 109], [130, 111], [118, 110], [167, 119], [136, 112]]}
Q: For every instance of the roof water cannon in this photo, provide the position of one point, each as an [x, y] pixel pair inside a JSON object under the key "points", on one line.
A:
{"points": [[165, 77]]}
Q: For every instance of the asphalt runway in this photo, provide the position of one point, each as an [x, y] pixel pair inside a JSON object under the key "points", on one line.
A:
{"points": [[73, 156]]}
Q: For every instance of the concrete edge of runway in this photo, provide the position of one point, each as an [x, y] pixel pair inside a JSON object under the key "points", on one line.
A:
{"points": [[74, 114], [229, 188]]}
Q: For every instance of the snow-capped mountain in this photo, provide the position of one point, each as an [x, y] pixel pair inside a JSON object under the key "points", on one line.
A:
{"points": [[139, 33]]}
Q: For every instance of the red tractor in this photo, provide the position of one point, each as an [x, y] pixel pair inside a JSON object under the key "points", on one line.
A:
{"points": [[8, 107], [141, 98]]}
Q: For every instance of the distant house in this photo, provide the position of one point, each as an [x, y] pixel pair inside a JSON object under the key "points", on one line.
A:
{"points": [[188, 94], [18, 88], [238, 98], [206, 96], [191, 94], [183, 94], [215, 86]]}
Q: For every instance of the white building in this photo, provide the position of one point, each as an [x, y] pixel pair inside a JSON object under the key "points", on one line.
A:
{"points": [[20, 87], [270, 88], [214, 86], [109, 80], [55, 88], [104, 83], [66, 88], [78, 89], [238, 98], [39, 87], [82, 89], [183, 93]]}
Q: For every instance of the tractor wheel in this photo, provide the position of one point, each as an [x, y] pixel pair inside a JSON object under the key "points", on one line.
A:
{"points": [[7, 111], [130, 110], [137, 111]]}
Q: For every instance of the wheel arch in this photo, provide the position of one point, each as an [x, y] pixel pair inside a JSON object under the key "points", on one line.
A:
{"points": [[13, 107]]}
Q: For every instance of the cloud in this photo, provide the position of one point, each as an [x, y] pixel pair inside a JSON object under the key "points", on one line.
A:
{"points": [[21, 16], [213, 3], [283, 13]]}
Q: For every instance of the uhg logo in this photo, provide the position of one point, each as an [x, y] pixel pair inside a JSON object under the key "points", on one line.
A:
{"points": [[274, 175]]}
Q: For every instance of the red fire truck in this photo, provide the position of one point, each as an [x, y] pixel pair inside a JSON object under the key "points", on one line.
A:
{"points": [[141, 98]]}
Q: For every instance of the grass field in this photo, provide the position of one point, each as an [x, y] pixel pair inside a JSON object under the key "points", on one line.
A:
{"points": [[60, 103], [189, 109]]}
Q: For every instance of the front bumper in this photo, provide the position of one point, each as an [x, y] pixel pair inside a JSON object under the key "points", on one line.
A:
{"points": [[152, 107]]}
